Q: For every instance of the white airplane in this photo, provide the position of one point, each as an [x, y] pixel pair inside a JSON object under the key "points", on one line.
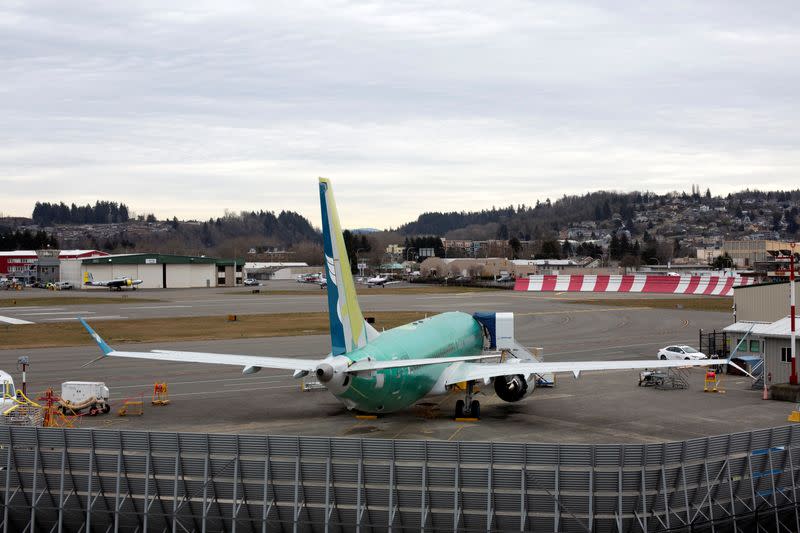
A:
{"points": [[382, 372], [116, 284], [379, 281]]}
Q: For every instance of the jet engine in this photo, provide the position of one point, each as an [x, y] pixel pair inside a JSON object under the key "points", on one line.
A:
{"points": [[513, 388]]}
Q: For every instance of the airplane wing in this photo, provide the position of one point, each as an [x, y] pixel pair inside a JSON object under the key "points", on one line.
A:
{"points": [[282, 363], [487, 371]]}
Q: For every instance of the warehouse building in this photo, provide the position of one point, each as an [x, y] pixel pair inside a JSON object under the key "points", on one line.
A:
{"points": [[765, 302], [263, 271], [747, 253], [41, 265], [158, 271], [771, 341]]}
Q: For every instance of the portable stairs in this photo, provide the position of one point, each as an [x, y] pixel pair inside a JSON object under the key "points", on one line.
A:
{"points": [[758, 371], [673, 379]]}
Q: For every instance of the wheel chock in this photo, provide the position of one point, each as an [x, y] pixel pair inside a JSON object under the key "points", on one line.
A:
{"points": [[366, 417], [467, 419]]}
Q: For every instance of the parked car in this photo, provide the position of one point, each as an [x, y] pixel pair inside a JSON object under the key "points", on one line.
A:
{"points": [[63, 285], [680, 352], [251, 282]]}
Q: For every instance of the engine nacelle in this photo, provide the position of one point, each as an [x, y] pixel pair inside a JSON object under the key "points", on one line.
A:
{"points": [[513, 388]]}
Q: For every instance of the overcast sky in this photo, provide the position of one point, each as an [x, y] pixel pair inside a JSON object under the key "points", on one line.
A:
{"points": [[407, 106]]}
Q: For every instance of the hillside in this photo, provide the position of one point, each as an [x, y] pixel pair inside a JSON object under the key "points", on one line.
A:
{"points": [[773, 213]]}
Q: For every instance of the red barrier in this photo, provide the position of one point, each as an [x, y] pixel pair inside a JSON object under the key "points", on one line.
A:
{"points": [[694, 285]]}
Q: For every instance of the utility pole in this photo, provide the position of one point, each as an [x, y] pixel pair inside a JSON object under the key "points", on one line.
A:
{"points": [[24, 362], [793, 377]]}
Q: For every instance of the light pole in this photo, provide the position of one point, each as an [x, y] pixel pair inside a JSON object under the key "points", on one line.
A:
{"points": [[358, 260], [409, 268]]}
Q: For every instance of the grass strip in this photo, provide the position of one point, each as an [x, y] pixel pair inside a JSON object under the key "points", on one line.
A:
{"points": [[69, 300], [184, 329], [705, 303]]}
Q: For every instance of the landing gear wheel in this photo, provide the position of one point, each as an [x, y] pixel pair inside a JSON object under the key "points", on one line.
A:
{"points": [[663, 357], [93, 410], [460, 409], [475, 409]]}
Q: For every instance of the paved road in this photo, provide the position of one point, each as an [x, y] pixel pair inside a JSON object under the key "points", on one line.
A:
{"points": [[599, 407]]}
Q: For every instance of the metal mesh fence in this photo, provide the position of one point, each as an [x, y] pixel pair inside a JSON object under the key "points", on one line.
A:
{"points": [[107, 480]]}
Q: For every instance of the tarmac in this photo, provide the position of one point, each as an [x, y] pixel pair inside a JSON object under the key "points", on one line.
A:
{"points": [[599, 407]]}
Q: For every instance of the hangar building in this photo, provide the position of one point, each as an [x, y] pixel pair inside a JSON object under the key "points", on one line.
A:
{"points": [[765, 302], [159, 271]]}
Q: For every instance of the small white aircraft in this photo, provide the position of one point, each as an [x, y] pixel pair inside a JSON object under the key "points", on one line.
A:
{"points": [[379, 281], [116, 284]]}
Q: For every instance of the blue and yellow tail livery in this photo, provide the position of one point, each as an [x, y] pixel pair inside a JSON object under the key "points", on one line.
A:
{"points": [[349, 330]]}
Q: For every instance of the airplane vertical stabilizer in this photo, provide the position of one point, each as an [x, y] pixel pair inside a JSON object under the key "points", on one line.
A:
{"points": [[349, 330]]}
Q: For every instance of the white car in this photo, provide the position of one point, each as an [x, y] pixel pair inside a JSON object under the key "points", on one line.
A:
{"points": [[680, 352], [250, 282]]}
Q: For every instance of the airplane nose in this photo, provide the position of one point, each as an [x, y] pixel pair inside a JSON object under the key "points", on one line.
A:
{"points": [[324, 373]]}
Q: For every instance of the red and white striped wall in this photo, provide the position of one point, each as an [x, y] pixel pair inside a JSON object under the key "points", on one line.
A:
{"points": [[695, 285]]}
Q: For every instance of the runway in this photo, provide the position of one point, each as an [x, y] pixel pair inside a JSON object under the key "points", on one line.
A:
{"points": [[599, 407]]}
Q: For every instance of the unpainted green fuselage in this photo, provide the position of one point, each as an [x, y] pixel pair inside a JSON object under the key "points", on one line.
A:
{"points": [[446, 335]]}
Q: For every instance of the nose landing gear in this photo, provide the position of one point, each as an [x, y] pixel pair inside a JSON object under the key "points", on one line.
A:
{"points": [[468, 407]]}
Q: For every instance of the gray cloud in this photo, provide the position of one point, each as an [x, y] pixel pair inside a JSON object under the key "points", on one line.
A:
{"points": [[412, 106]]}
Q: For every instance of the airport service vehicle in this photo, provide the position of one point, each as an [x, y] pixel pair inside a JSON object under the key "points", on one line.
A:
{"points": [[63, 286], [250, 282], [77, 396], [116, 284], [382, 372], [683, 352]]}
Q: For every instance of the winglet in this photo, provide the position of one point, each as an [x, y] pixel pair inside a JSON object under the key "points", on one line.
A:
{"points": [[97, 338]]}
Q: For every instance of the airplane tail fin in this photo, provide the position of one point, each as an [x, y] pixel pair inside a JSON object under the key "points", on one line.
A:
{"points": [[87, 278], [348, 328]]}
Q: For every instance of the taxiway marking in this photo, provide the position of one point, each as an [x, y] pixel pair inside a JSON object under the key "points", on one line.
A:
{"points": [[210, 393], [81, 312], [569, 312], [156, 307], [65, 318], [16, 321], [30, 308]]}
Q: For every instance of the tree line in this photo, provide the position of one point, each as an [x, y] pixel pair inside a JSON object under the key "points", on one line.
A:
{"points": [[102, 212], [26, 240]]}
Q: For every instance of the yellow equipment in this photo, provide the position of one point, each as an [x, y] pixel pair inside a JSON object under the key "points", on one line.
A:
{"points": [[795, 415], [160, 394], [711, 382], [132, 408], [24, 411]]}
